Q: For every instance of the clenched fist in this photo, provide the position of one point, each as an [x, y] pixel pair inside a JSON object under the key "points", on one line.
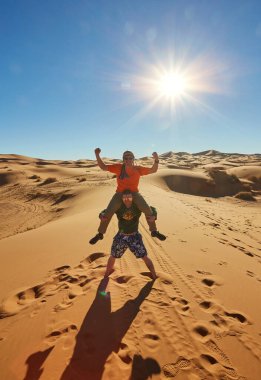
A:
{"points": [[155, 156]]}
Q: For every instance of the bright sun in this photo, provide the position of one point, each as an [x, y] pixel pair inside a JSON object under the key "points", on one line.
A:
{"points": [[172, 85]]}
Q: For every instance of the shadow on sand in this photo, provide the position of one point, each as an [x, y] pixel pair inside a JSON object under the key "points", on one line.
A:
{"points": [[142, 369], [34, 363], [101, 334]]}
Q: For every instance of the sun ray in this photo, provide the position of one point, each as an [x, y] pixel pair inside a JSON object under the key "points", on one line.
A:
{"points": [[174, 87]]}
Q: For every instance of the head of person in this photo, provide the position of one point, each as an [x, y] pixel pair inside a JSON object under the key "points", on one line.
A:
{"points": [[128, 158], [127, 198]]}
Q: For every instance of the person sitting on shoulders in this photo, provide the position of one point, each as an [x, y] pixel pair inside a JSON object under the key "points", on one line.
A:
{"points": [[128, 176]]}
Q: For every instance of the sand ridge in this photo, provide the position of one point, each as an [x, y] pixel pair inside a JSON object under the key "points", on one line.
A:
{"points": [[59, 319]]}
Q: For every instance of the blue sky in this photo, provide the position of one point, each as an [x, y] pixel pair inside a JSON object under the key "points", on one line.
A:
{"points": [[78, 74]]}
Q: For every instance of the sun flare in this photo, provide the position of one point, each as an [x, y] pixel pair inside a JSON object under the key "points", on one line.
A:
{"points": [[172, 85]]}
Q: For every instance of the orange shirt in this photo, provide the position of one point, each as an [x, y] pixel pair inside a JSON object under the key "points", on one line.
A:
{"points": [[130, 183]]}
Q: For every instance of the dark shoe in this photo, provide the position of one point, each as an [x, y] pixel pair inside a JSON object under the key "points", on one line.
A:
{"points": [[158, 235], [97, 237]]}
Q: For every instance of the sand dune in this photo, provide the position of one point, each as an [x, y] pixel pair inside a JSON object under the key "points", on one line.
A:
{"points": [[59, 319]]}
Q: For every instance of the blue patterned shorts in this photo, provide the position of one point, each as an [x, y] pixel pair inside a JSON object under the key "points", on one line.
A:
{"points": [[134, 242]]}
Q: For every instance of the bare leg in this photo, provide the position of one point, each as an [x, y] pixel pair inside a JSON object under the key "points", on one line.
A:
{"points": [[110, 265], [150, 266]]}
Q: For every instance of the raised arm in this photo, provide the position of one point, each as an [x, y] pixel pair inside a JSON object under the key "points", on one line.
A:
{"points": [[155, 166], [101, 164]]}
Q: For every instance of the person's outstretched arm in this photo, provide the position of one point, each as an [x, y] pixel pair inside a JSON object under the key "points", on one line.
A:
{"points": [[101, 164], [155, 166]]}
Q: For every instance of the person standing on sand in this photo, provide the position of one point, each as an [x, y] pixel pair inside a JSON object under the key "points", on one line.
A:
{"points": [[128, 176], [128, 235]]}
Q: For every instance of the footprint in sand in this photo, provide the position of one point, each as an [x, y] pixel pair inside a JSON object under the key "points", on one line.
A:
{"points": [[66, 277], [203, 272], [124, 353], [60, 278], [211, 345], [165, 278], [95, 259], [172, 369], [75, 288], [222, 263], [64, 332], [237, 316], [207, 305], [24, 298], [219, 323], [37, 308], [247, 253], [181, 305], [123, 279], [242, 249], [213, 365], [36, 295], [223, 320], [60, 269], [73, 292], [210, 280], [75, 280], [201, 332], [151, 340]]}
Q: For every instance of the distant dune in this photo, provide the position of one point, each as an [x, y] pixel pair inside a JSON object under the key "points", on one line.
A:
{"points": [[200, 319]]}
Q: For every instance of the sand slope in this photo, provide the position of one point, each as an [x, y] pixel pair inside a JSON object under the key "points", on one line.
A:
{"points": [[199, 320]]}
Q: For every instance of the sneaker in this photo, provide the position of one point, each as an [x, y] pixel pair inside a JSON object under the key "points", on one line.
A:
{"points": [[97, 237], [158, 235]]}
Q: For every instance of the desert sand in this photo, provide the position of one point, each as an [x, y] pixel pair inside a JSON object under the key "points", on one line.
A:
{"points": [[200, 319]]}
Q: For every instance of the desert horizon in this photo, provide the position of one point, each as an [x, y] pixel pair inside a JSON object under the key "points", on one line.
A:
{"points": [[200, 319]]}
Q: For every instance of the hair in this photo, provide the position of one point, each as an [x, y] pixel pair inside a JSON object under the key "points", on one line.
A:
{"points": [[123, 173], [127, 152], [127, 191]]}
